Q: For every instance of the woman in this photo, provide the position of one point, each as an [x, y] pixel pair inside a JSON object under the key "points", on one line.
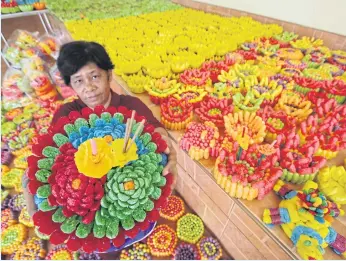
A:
{"points": [[87, 68]]}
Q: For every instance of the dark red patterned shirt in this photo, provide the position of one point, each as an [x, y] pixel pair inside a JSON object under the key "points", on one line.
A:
{"points": [[130, 102]]}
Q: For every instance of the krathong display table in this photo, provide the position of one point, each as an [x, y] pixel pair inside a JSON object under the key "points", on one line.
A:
{"points": [[237, 223]]}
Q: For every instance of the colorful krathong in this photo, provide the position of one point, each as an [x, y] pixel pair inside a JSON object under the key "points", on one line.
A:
{"points": [[186, 252], [332, 182], [138, 251], [162, 241], [201, 141], [298, 161], [32, 249], [247, 173], [174, 208], [306, 216], [209, 248], [190, 228], [89, 188]]}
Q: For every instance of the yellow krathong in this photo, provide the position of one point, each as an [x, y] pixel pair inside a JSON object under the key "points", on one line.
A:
{"points": [[96, 164]]}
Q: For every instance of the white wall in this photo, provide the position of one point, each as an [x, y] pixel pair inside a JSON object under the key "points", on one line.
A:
{"points": [[327, 15]]}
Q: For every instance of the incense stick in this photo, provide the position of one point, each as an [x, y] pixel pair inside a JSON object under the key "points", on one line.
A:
{"points": [[139, 128], [126, 133], [129, 131]]}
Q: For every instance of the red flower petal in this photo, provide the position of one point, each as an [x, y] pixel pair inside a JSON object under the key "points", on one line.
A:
{"points": [[55, 190], [86, 205], [123, 110], [40, 217], [74, 243], [103, 244], [66, 212], [139, 118], [155, 137], [31, 172], [103, 179], [82, 212], [51, 179], [99, 109], [52, 201], [132, 233], [144, 225], [161, 146], [89, 245], [88, 218], [95, 206], [128, 114], [59, 126], [153, 215], [169, 179], [149, 128], [37, 149], [33, 185], [74, 115], [120, 239], [71, 201], [58, 237], [86, 112], [100, 195], [32, 160], [112, 110], [166, 191], [160, 203], [89, 191], [48, 227]]}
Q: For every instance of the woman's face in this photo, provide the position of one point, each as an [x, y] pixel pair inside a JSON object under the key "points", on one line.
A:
{"points": [[92, 85]]}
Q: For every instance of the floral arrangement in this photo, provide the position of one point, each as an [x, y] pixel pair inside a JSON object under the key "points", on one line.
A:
{"points": [[162, 241], [174, 208], [108, 198], [176, 114], [247, 173], [201, 140]]}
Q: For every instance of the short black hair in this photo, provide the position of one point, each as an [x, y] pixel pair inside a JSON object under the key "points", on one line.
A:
{"points": [[75, 55]]}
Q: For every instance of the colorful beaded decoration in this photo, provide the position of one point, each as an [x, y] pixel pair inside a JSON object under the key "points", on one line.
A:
{"points": [[162, 241], [7, 219], [17, 202], [81, 255], [186, 251], [12, 179], [25, 218], [209, 248], [138, 251], [12, 238], [32, 249], [5, 198], [190, 228], [21, 160], [174, 208], [60, 252]]}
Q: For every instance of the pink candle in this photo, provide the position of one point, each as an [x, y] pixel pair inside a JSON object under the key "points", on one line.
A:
{"points": [[93, 147]]}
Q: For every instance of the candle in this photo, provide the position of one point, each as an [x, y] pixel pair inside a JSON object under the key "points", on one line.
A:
{"points": [[93, 147]]}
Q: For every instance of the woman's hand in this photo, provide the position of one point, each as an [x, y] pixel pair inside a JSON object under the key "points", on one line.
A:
{"points": [[171, 166], [29, 198]]}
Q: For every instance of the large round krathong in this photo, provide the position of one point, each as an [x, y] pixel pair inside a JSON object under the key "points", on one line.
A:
{"points": [[94, 195]]}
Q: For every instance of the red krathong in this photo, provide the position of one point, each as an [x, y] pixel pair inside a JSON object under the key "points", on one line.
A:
{"points": [[195, 77], [298, 158], [214, 69], [213, 109]]}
